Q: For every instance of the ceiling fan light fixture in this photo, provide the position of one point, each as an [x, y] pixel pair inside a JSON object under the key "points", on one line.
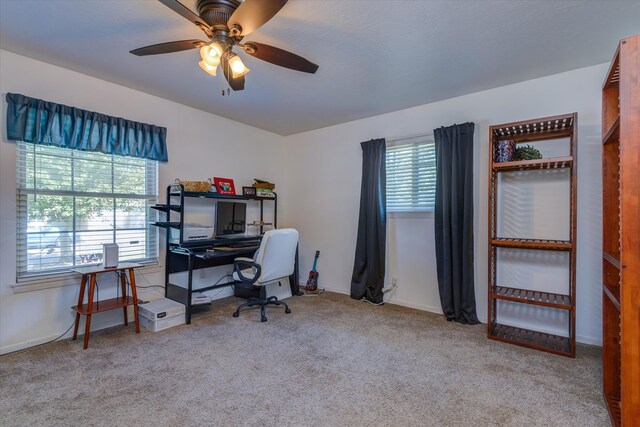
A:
{"points": [[238, 69], [211, 54], [209, 69]]}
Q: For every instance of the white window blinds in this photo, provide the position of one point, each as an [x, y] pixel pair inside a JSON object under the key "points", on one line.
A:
{"points": [[70, 202], [411, 176]]}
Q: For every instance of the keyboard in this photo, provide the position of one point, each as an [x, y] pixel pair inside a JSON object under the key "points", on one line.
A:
{"points": [[246, 244]]}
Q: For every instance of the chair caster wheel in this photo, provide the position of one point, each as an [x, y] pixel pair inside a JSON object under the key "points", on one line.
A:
{"points": [[236, 314], [287, 311], [264, 319]]}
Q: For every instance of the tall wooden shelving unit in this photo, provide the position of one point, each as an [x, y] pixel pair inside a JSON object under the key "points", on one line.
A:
{"points": [[621, 234], [548, 128]]}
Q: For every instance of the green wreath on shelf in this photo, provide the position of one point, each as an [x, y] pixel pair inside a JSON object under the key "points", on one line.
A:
{"points": [[527, 152]]}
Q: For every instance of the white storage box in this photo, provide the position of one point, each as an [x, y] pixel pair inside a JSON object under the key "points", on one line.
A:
{"points": [[161, 314]]}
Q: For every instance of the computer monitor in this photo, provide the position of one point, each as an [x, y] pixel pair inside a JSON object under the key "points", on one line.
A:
{"points": [[231, 219]]}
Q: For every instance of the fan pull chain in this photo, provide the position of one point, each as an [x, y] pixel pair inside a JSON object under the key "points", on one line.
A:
{"points": [[228, 71]]}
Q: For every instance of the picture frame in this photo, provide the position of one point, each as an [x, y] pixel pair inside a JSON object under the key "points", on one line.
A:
{"points": [[248, 191], [224, 185]]}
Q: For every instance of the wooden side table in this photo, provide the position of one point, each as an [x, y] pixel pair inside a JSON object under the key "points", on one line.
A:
{"points": [[89, 274]]}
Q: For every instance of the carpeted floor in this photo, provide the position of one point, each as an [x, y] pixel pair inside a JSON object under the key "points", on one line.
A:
{"points": [[332, 362]]}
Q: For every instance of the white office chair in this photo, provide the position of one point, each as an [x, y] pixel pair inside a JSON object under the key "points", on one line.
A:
{"points": [[272, 262]]}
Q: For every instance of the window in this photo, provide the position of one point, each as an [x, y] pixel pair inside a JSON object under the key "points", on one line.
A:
{"points": [[411, 176], [70, 202]]}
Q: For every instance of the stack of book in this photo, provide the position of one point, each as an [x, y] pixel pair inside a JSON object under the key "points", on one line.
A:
{"points": [[264, 188]]}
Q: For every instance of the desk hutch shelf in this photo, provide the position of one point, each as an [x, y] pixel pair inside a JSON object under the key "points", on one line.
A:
{"points": [[544, 129], [184, 256], [621, 234]]}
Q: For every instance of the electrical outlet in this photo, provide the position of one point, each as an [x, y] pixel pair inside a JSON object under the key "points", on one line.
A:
{"points": [[203, 274]]}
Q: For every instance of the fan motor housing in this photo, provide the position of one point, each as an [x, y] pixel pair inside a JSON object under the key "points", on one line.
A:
{"points": [[216, 13]]}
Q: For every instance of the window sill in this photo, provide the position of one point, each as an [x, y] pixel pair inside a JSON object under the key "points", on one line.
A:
{"points": [[410, 214], [62, 279]]}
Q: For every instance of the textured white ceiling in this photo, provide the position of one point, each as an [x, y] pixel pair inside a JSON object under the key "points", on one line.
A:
{"points": [[374, 56]]}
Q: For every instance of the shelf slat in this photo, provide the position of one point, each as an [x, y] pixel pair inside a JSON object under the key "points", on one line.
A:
{"points": [[167, 208], [611, 259], [538, 129], [615, 411], [613, 134], [525, 296], [165, 224], [545, 163], [221, 196], [551, 245], [105, 305], [531, 339], [611, 296]]}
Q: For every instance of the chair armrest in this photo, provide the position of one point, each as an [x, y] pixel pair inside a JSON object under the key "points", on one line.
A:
{"points": [[239, 264], [243, 259]]}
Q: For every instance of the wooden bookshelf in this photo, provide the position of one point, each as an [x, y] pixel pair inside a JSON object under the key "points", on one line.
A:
{"points": [[544, 129], [621, 235]]}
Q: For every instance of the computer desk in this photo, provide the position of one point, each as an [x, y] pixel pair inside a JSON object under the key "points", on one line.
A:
{"points": [[192, 257]]}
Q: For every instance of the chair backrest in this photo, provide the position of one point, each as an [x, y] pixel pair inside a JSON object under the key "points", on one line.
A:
{"points": [[277, 254]]}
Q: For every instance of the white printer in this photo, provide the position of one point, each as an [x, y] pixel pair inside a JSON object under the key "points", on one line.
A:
{"points": [[193, 232]]}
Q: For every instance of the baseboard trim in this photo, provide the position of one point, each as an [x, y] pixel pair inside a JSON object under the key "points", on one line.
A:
{"points": [[421, 307], [582, 339], [393, 301], [23, 345]]}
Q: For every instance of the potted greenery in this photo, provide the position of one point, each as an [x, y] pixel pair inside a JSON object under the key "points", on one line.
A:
{"points": [[527, 152]]}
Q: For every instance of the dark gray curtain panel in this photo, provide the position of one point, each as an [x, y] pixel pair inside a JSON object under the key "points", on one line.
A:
{"points": [[454, 222], [367, 280]]}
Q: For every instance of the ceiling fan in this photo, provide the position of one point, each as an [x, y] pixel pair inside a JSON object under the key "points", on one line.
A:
{"points": [[226, 23]]}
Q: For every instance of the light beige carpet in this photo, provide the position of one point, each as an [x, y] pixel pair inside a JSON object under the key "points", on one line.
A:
{"points": [[332, 362]]}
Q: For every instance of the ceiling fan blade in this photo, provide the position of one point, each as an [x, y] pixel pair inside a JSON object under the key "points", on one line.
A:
{"points": [[168, 47], [280, 57], [235, 83], [183, 10], [253, 14]]}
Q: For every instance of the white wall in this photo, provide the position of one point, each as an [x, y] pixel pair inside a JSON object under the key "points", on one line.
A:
{"points": [[200, 145], [318, 177], [324, 185]]}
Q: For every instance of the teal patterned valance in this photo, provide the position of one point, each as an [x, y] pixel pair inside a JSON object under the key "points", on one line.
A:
{"points": [[42, 122]]}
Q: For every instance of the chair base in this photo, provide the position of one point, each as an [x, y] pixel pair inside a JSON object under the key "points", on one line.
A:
{"points": [[262, 302]]}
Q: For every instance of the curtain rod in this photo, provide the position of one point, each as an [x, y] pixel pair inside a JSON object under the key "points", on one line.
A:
{"points": [[404, 138]]}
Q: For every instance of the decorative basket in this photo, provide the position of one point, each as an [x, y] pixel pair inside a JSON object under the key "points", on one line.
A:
{"points": [[195, 186]]}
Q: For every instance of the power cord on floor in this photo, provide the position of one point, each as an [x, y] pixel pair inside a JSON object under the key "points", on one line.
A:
{"points": [[219, 280], [46, 342], [97, 292], [373, 303], [389, 291], [149, 285]]}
